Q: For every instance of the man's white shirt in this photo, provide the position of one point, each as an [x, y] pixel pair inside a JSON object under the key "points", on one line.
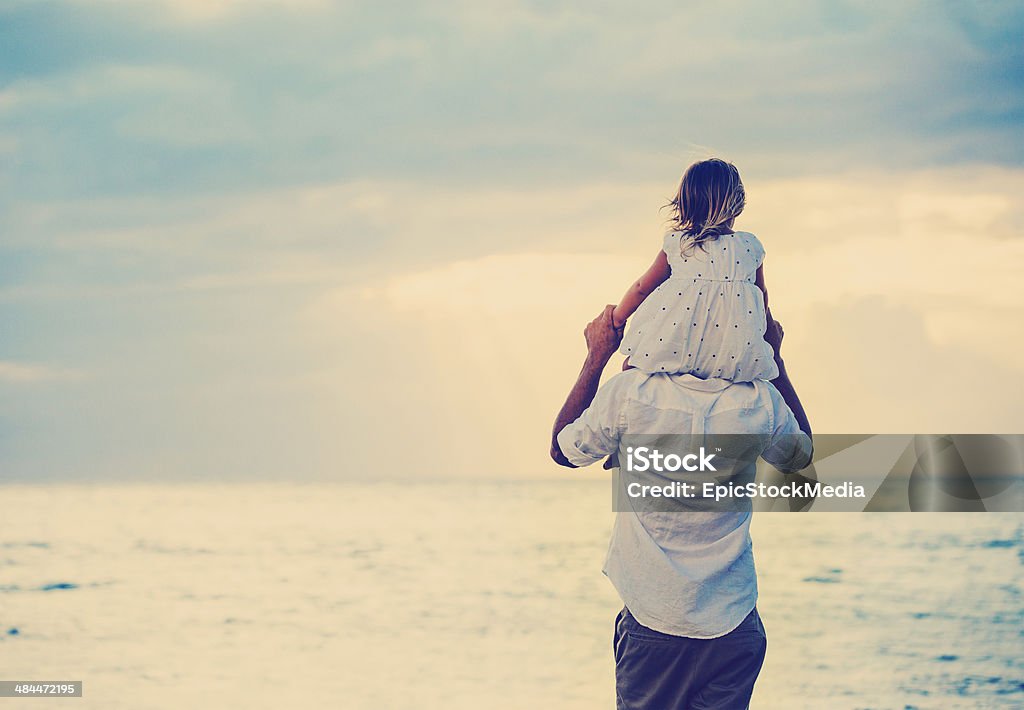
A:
{"points": [[686, 574]]}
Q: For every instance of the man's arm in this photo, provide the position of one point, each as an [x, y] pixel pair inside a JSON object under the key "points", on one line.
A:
{"points": [[782, 383], [774, 335], [602, 341]]}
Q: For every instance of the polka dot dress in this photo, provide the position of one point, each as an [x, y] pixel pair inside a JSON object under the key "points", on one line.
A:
{"points": [[708, 317]]}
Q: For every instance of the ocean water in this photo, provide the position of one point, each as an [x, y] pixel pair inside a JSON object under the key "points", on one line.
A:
{"points": [[469, 595]]}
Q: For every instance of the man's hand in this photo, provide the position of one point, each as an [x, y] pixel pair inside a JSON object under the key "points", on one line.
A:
{"points": [[603, 340], [602, 336]]}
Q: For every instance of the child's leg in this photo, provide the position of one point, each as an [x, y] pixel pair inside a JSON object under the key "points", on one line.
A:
{"points": [[626, 365]]}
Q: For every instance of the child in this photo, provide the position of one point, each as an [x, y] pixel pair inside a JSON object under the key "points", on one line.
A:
{"points": [[702, 308]]}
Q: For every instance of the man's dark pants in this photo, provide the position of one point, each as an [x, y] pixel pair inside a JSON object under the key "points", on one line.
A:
{"points": [[656, 671]]}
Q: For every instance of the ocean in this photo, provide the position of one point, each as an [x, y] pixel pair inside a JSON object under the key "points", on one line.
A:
{"points": [[469, 595]]}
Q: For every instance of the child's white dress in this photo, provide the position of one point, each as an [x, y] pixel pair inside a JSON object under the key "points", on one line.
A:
{"points": [[708, 318]]}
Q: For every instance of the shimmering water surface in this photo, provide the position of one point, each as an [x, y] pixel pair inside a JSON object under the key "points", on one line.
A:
{"points": [[470, 595]]}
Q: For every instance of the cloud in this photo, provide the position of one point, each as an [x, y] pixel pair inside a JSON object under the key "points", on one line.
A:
{"points": [[29, 373], [513, 283], [964, 202], [264, 228], [164, 104], [505, 93], [262, 333], [207, 11], [461, 356], [870, 365], [347, 232]]}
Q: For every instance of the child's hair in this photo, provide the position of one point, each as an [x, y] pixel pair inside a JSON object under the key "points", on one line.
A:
{"points": [[710, 194]]}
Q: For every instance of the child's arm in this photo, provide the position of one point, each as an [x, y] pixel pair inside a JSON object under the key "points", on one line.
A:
{"points": [[652, 278]]}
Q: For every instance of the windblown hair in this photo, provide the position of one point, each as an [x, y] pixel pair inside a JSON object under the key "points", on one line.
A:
{"points": [[710, 195]]}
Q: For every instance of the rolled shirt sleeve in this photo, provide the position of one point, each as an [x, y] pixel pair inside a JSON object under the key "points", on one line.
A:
{"points": [[790, 450], [596, 433]]}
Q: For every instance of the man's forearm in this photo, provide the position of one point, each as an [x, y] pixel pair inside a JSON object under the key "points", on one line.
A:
{"points": [[579, 398], [785, 387]]}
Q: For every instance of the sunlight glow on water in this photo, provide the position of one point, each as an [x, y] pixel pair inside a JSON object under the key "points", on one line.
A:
{"points": [[470, 595]]}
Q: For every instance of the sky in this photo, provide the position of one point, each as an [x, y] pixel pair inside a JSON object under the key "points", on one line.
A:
{"points": [[314, 240]]}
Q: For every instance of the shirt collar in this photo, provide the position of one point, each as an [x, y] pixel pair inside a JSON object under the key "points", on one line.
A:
{"points": [[711, 384]]}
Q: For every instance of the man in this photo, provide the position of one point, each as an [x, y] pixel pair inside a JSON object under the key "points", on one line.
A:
{"points": [[689, 635]]}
